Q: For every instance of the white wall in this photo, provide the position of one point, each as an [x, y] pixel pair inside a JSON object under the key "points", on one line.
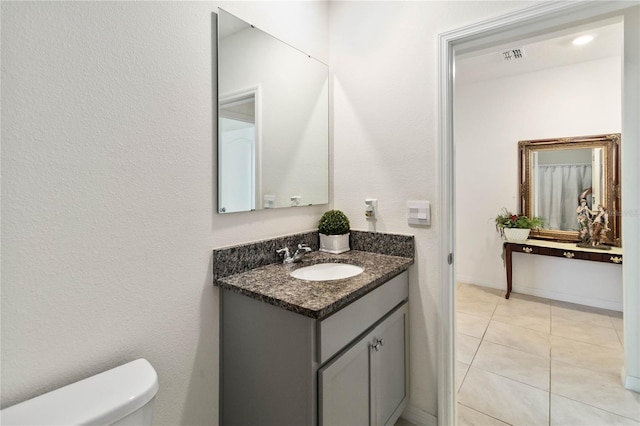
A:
{"points": [[384, 60], [108, 182], [108, 178], [491, 117]]}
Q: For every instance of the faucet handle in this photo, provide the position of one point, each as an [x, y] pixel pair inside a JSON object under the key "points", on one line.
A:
{"points": [[287, 256], [305, 247]]}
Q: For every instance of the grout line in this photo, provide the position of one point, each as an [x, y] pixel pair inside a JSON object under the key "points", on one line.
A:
{"points": [[463, 379], [620, 338], [550, 363], [550, 356], [550, 366], [621, 348], [488, 415], [511, 379], [593, 406]]}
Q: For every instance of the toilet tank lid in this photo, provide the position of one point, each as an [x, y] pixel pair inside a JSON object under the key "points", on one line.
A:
{"points": [[101, 399]]}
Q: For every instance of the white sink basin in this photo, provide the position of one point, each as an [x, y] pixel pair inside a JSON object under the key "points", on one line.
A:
{"points": [[326, 271]]}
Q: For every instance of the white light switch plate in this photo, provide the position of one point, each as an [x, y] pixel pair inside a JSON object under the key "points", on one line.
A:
{"points": [[419, 212]]}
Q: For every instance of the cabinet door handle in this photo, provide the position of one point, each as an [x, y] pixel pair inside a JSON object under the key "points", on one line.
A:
{"points": [[615, 259], [527, 249], [568, 254]]}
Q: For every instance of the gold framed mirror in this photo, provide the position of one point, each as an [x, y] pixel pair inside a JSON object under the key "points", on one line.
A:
{"points": [[555, 174]]}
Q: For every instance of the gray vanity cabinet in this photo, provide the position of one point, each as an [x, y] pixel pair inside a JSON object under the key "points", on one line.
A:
{"points": [[280, 368], [367, 383]]}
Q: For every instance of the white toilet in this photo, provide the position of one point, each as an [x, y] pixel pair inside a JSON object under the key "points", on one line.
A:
{"points": [[120, 396]]}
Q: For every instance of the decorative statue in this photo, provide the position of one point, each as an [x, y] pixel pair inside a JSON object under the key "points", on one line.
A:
{"points": [[593, 225], [600, 226], [584, 220]]}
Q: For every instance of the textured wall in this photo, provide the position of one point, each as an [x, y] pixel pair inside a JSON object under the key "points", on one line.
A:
{"points": [[384, 58], [108, 181], [108, 178]]}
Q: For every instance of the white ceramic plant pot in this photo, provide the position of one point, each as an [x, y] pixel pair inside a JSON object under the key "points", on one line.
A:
{"points": [[516, 235], [334, 244]]}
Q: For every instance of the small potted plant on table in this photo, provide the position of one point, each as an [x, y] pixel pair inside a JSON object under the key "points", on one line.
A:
{"points": [[334, 232], [516, 227]]}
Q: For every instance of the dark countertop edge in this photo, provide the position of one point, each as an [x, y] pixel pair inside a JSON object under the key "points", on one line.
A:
{"points": [[362, 291], [267, 299], [327, 310]]}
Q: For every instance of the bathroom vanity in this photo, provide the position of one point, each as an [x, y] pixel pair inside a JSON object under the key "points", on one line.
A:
{"points": [[298, 352]]}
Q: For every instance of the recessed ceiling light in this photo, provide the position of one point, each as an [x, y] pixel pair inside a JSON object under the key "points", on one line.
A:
{"points": [[584, 39]]}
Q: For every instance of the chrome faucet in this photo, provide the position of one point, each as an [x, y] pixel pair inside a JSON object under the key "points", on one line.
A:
{"points": [[297, 256], [302, 250]]}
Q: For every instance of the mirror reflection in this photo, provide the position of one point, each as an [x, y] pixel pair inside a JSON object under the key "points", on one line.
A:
{"points": [[273, 147], [563, 179], [559, 176]]}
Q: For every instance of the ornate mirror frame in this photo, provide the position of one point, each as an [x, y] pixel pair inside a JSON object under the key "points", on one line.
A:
{"points": [[610, 144]]}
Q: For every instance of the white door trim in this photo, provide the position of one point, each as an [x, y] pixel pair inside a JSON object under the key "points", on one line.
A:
{"points": [[539, 19], [254, 92]]}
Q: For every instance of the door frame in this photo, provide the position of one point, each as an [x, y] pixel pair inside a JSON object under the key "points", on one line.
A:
{"points": [[538, 19], [255, 93]]}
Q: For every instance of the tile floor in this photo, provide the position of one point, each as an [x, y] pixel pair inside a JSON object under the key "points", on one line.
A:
{"points": [[533, 361]]}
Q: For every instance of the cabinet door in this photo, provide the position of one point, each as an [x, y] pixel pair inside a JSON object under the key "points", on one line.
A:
{"points": [[344, 388], [388, 368], [367, 384]]}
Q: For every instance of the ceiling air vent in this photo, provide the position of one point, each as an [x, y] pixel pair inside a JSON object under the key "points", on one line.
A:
{"points": [[513, 54]]}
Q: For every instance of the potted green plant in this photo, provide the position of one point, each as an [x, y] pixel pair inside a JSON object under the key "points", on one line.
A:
{"points": [[334, 232], [516, 227]]}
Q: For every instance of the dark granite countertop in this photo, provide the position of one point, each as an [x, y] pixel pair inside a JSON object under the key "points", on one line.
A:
{"points": [[316, 299]]}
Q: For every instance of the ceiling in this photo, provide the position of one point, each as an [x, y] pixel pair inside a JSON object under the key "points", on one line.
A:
{"points": [[542, 52]]}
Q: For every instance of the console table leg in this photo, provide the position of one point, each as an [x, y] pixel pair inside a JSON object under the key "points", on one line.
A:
{"points": [[507, 260]]}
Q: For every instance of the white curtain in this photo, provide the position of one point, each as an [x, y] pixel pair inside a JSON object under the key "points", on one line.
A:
{"points": [[559, 186]]}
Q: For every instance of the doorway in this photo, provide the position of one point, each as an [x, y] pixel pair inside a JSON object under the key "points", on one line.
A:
{"points": [[238, 151], [536, 20]]}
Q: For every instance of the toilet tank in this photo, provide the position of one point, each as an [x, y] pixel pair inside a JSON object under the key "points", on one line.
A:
{"points": [[120, 396]]}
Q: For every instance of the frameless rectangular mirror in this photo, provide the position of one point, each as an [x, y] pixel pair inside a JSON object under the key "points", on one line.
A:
{"points": [[556, 175], [273, 121]]}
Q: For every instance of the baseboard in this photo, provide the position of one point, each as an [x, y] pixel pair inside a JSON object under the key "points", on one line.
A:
{"points": [[572, 298], [418, 417], [471, 280], [630, 382], [547, 294]]}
